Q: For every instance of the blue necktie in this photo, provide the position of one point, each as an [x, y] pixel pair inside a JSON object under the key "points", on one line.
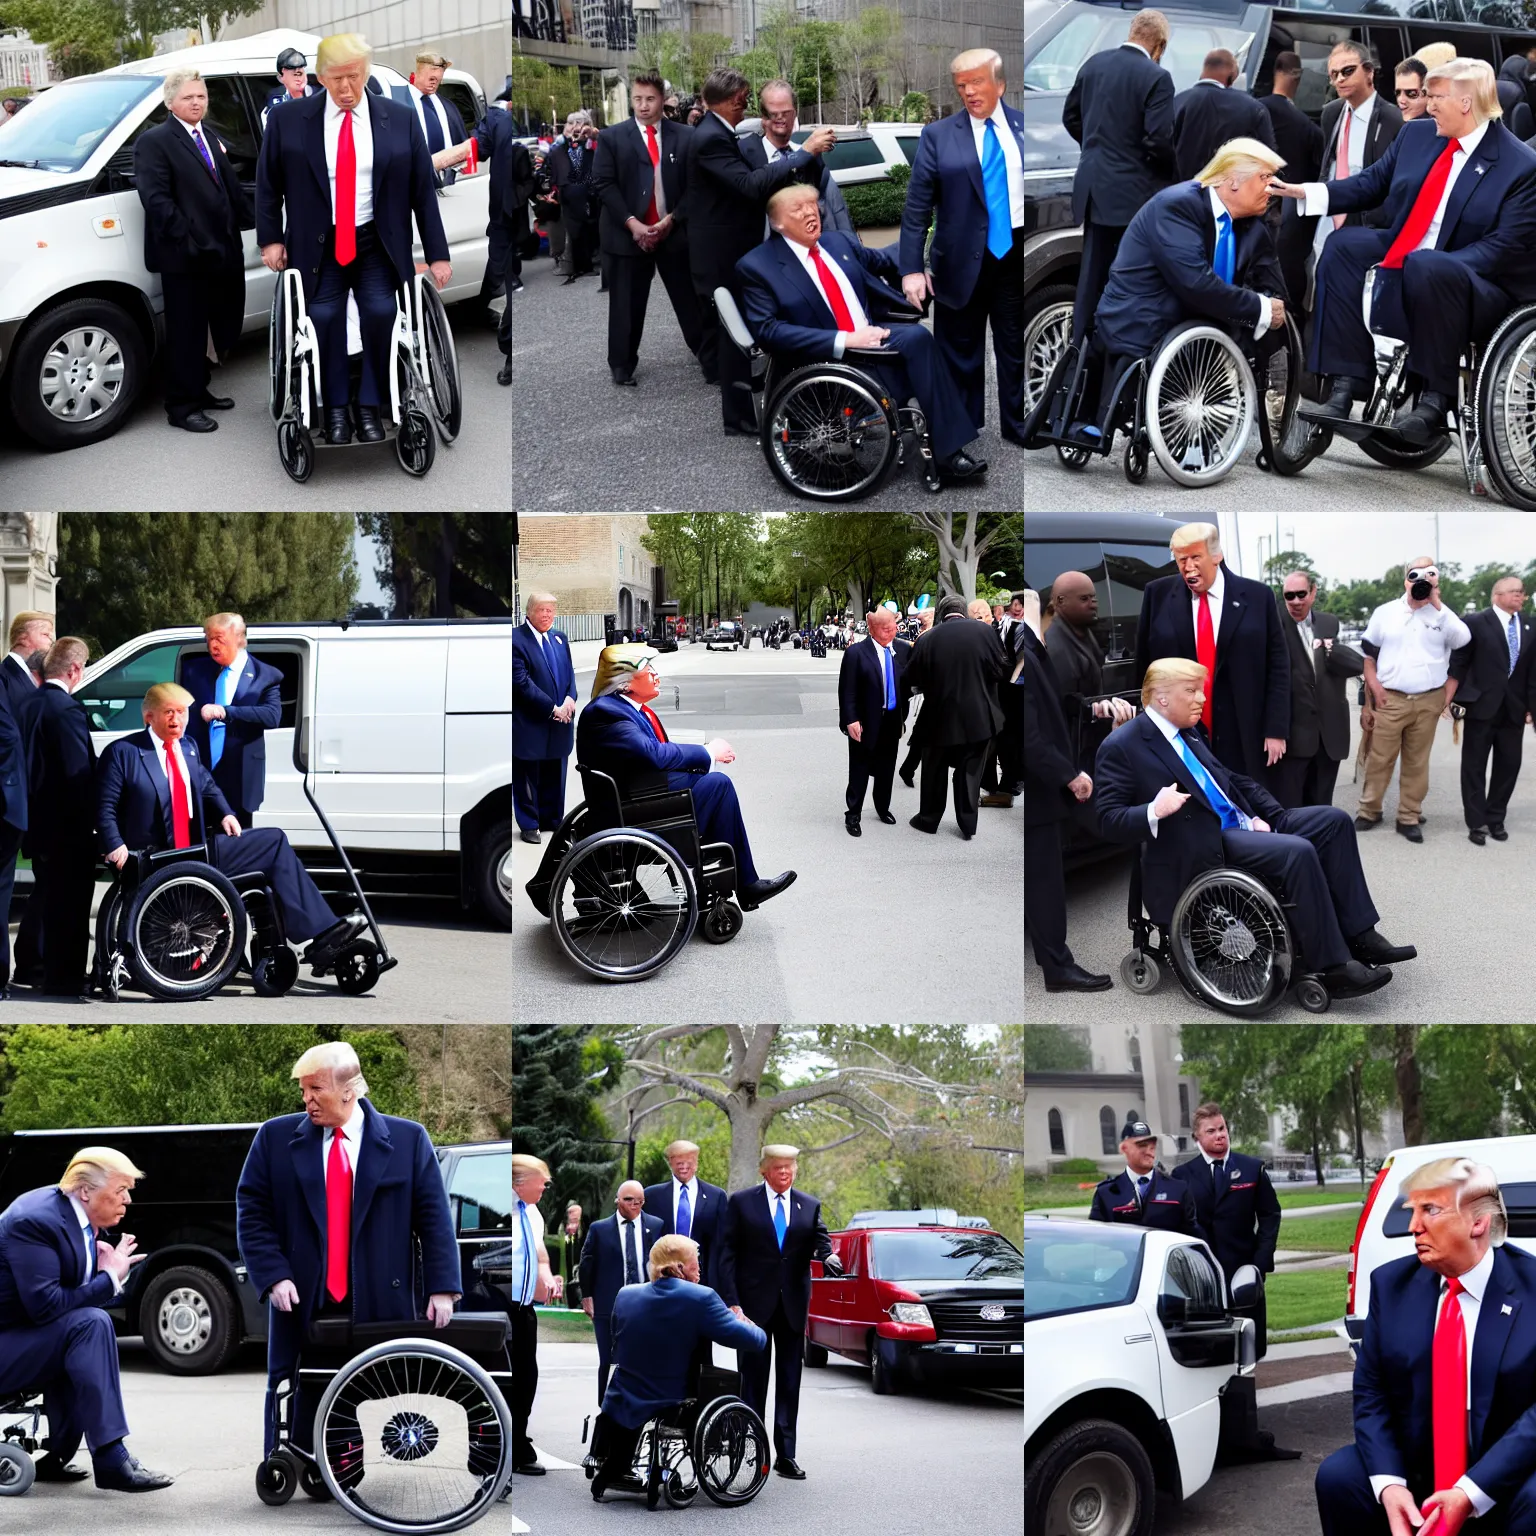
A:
{"points": [[1225, 261], [1232, 819], [1141, 1189], [994, 177], [202, 149], [778, 1219], [221, 692], [524, 1288], [1514, 640], [574, 151], [434, 127], [684, 1220], [888, 660]]}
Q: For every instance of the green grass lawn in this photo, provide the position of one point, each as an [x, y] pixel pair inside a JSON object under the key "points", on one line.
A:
{"points": [[564, 1328], [1306, 1298], [1052, 1192], [1294, 1196], [1319, 1234]]}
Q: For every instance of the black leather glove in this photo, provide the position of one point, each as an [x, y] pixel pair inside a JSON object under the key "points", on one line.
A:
{"points": [[832, 1265]]}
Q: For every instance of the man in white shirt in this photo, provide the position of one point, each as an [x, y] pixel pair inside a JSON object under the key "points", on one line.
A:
{"points": [[533, 1281], [441, 123]]}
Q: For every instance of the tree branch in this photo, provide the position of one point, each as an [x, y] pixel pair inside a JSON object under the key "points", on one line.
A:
{"points": [[681, 1080]]}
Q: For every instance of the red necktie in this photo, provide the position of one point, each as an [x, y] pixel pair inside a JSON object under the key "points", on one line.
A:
{"points": [[1205, 653], [338, 1219], [181, 809], [1420, 216], [833, 292], [651, 215], [651, 715], [346, 194], [1448, 1378]]}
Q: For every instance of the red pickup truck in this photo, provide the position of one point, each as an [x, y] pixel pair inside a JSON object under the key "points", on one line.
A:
{"points": [[929, 1303]]}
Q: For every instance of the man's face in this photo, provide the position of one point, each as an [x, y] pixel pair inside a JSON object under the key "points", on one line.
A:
{"points": [[778, 116], [169, 722], [645, 686], [223, 645], [1451, 107], [979, 93], [799, 220], [37, 636], [1140, 1156], [345, 82], [645, 103], [1410, 96], [1183, 700], [1299, 597], [428, 78], [1078, 604], [294, 80], [684, 1165], [780, 1173], [1248, 197], [1509, 596], [882, 627], [1198, 566], [1446, 1239], [530, 1187], [541, 616], [191, 101], [1212, 1136], [630, 1202], [1351, 79], [324, 1102], [108, 1205]]}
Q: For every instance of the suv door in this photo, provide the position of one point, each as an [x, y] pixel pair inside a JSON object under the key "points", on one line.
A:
{"points": [[1198, 1346], [480, 1193]]}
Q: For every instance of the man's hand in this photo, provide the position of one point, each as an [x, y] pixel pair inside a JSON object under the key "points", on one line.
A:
{"points": [[1274, 750], [1287, 189], [1168, 801], [866, 336], [213, 711], [1258, 824], [284, 1295], [440, 1309], [119, 1260], [274, 257], [586, 1305], [1402, 1512], [1276, 314], [231, 825], [1081, 786], [639, 231], [720, 750], [441, 272], [855, 730], [918, 287], [737, 1312], [1378, 694], [556, 1287], [1118, 710], [1367, 718], [119, 856], [1453, 1508], [820, 141]]}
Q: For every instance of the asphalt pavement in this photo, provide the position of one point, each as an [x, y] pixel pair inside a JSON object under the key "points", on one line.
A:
{"points": [[902, 1465], [1438, 895], [586, 446], [893, 925], [149, 466]]}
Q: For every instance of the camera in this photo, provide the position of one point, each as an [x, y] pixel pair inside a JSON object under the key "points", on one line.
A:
{"points": [[1421, 582]]}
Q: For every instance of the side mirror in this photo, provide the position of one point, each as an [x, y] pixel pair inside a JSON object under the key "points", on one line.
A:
{"points": [[1247, 1288]]}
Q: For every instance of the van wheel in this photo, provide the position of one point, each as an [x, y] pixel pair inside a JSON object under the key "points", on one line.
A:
{"points": [[76, 372], [493, 873], [188, 1321], [1094, 1479], [884, 1380]]}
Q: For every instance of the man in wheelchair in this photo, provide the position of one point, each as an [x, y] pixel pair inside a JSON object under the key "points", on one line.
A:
{"points": [[657, 1330], [1460, 190], [621, 735], [1159, 786], [143, 805]]}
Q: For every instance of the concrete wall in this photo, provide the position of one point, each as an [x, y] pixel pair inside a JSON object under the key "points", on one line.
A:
{"points": [[587, 562]]}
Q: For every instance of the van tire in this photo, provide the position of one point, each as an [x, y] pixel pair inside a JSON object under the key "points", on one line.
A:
{"points": [[491, 853], [32, 416], [1124, 1484], [205, 1304]]}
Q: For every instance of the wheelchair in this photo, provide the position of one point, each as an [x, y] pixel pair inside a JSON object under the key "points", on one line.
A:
{"points": [[426, 399], [1493, 422], [412, 1435], [1192, 405], [1228, 941], [829, 431], [625, 880], [18, 1440]]}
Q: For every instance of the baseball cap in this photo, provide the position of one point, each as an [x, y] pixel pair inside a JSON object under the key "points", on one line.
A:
{"points": [[1136, 1130], [291, 58]]}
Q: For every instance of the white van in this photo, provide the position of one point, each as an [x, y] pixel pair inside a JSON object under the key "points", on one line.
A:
{"points": [[80, 316], [404, 725]]}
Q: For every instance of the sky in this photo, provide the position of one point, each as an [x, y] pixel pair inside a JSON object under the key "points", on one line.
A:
{"points": [[366, 552]]}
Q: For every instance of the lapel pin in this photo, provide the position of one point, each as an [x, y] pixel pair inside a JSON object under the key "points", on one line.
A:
{"points": [[1507, 1310]]}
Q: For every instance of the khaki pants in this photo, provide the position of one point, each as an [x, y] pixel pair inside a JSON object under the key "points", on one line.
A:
{"points": [[1406, 725]]}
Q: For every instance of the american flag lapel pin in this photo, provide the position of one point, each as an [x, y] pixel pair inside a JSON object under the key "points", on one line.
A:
{"points": [[1507, 1310]]}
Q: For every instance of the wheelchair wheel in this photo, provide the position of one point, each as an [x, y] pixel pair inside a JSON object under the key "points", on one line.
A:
{"points": [[1073, 458], [356, 969], [730, 1452], [281, 323], [295, 451], [1312, 995], [1140, 972], [1230, 943], [312, 1481], [110, 969], [1395, 456], [1505, 420], [17, 1469], [184, 932], [415, 442], [1135, 460], [623, 904], [1200, 405], [722, 922], [830, 434], [273, 974], [1289, 444], [414, 1437], [440, 370], [277, 1477]]}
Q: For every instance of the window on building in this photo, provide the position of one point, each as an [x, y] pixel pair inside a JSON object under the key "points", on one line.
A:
{"points": [[1108, 1138], [1135, 1045], [1058, 1135]]}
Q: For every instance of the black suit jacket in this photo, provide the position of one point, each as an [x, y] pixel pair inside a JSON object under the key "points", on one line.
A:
{"points": [[63, 810], [16, 682], [1243, 1224], [753, 1273], [861, 690], [602, 1261], [1319, 680], [704, 1221], [1251, 698], [1297, 137], [1120, 110], [1169, 1206], [192, 223], [621, 182], [1206, 116], [511, 171], [1048, 764], [1386, 123], [1485, 684], [956, 667]]}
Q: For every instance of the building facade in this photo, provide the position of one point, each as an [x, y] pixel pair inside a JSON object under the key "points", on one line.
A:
{"points": [[594, 566], [23, 63], [29, 562]]}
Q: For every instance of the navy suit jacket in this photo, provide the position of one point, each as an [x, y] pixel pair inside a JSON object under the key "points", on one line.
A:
{"points": [[1120, 110], [1170, 1206], [861, 688], [788, 313], [403, 1245], [1206, 116], [543, 678], [133, 797], [511, 171], [946, 183], [602, 1262], [15, 733], [293, 196], [1252, 687], [1393, 1419], [64, 796], [703, 1221], [42, 1265], [1486, 685], [17, 684], [257, 707], [1242, 1226], [1133, 764], [613, 738], [753, 1273], [1162, 274], [656, 1329]]}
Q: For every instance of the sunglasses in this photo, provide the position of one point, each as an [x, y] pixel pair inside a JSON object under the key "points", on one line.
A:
{"points": [[1294, 597], [1343, 74], [1409, 95]]}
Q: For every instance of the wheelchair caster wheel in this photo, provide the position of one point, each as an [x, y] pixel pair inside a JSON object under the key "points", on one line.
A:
{"points": [[272, 975], [277, 1478], [1140, 973], [17, 1469], [1135, 461], [679, 1495], [356, 969], [722, 922], [1312, 995], [313, 1484], [296, 450], [653, 1489], [1073, 458], [416, 442]]}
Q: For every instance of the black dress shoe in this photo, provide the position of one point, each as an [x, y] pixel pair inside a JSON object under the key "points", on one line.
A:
{"points": [[922, 826], [620, 376], [338, 425], [1355, 979], [1426, 420], [569, 281], [785, 1466], [195, 421], [886, 817], [51, 1470], [216, 403], [324, 947], [1076, 979], [733, 429], [755, 892], [369, 428], [529, 836], [131, 1476], [533, 1469], [908, 779], [1497, 833], [961, 466], [1374, 949], [852, 823], [504, 374], [1365, 823], [1410, 830], [1341, 399], [1479, 835]]}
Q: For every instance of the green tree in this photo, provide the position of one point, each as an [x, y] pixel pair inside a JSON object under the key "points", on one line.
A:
{"points": [[543, 91], [1056, 1048], [122, 573], [867, 46], [1278, 567], [857, 559], [710, 558], [555, 1114], [444, 565]]}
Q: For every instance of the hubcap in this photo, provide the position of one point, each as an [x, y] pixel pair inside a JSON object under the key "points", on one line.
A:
{"points": [[81, 375], [1095, 1497], [185, 1321], [1045, 339]]}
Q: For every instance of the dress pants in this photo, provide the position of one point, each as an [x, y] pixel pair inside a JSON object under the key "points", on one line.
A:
{"points": [[371, 277], [305, 911], [525, 1379], [1045, 898], [1406, 725], [197, 303], [1101, 243], [1004, 765], [74, 1359], [719, 816], [602, 1329], [66, 880], [965, 760], [503, 267], [916, 739], [1485, 800], [1299, 781], [786, 1344], [962, 335], [10, 846], [877, 762], [1347, 1507], [921, 369], [629, 292], [538, 792]]}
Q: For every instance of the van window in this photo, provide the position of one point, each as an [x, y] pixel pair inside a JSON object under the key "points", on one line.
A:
{"points": [[262, 85], [63, 126], [229, 119], [289, 662], [480, 1188], [459, 93], [851, 152], [1519, 1203], [1129, 567], [115, 700]]}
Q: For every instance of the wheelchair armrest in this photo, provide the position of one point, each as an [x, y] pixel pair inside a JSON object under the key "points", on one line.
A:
{"points": [[873, 354], [472, 1332], [730, 318]]}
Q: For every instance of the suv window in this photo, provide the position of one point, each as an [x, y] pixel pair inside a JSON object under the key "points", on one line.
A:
{"points": [[463, 98], [228, 117], [1191, 1275], [851, 152], [115, 700], [1129, 567], [480, 1188]]}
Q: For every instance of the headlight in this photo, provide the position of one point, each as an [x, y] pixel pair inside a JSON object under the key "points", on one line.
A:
{"points": [[913, 1312]]}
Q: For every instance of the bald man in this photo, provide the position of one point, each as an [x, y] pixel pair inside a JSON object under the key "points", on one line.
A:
{"points": [[1074, 649], [613, 1256]]}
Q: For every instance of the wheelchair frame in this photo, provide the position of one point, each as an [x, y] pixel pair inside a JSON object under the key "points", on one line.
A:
{"points": [[17, 1469]]}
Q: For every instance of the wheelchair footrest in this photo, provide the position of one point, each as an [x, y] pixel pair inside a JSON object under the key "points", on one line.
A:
{"points": [[1073, 437]]}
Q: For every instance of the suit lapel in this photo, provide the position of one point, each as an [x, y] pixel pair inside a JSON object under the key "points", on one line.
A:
{"points": [[377, 1150], [966, 140], [1233, 611], [1485, 156], [314, 143], [799, 277], [304, 1148], [150, 758], [1171, 760], [379, 123], [1496, 1318]]}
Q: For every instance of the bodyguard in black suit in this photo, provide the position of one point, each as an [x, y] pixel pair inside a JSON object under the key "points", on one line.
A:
{"points": [[194, 210], [1211, 112], [614, 1255], [1297, 137], [687, 1206], [1120, 110], [1318, 737], [640, 181], [1496, 684], [1141, 1194], [872, 709]]}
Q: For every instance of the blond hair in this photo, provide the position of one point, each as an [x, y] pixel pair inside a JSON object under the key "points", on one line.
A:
{"points": [[1187, 534], [524, 1163], [774, 1152], [341, 48], [1476, 79], [63, 654], [668, 1256], [224, 621], [795, 192], [1150, 29], [24, 620], [339, 1059], [171, 87], [674, 1147], [158, 695], [1172, 669], [436, 60], [977, 58], [1475, 1186], [92, 1167], [1433, 55], [1239, 159]]}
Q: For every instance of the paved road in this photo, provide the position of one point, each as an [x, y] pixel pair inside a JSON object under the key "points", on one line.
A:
{"points": [[585, 446], [148, 466], [876, 927], [873, 1464], [1432, 895]]}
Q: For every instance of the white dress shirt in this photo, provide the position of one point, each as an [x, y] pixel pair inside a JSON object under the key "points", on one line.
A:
{"points": [[352, 1142], [362, 144], [540, 1253], [174, 749], [645, 149], [1304, 629], [1012, 159], [1415, 644], [1216, 597], [1218, 213], [850, 298], [1475, 1282], [90, 1245], [773, 1202]]}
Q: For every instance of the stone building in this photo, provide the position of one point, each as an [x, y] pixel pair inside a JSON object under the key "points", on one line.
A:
{"points": [[594, 566]]}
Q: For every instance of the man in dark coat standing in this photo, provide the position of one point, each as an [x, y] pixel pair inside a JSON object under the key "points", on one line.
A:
{"points": [[614, 1255], [1141, 1194], [1297, 137], [543, 707], [688, 1206], [872, 709], [1318, 737], [194, 210], [1229, 625], [957, 667], [1211, 112]]}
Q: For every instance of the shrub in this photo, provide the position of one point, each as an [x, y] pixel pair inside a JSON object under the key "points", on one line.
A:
{"points": [[873, 203]]}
